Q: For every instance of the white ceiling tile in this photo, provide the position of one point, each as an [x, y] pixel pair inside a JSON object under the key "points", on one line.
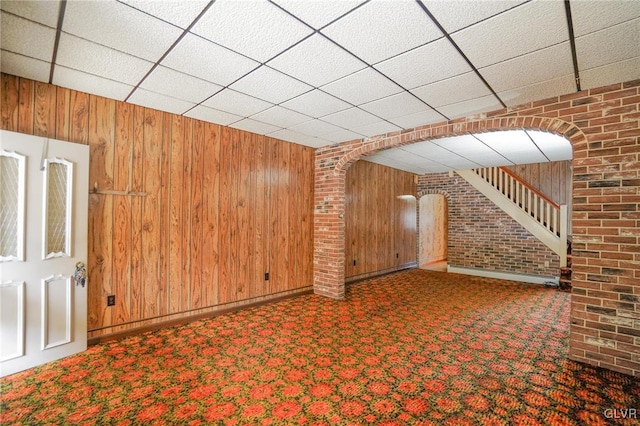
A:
{"points": [[208, 61], [88, 83], [120, 27], [212, 115], [178, 12], [270, 85], [611, 73], [315, 128], [351, 118], [395, 106], [554, 147], [236, 103], [526, 28], [281, 117], [538, 91], [431, 151], [23, 66], [363, 86], [82, 55], [470, 107], [377, 128], [316, 104], [418, 119], [318, 13], [455, 89], [515, 145], [589, 16], [342, 135], [317, 61], [160, 102], [541, 65], [44, 12], [613, 44], [455, 14], [384, 161], [254, 126], [27, 38], [299, 138], [172, 83], [472, 148], [381, 29], [255, 28], [418, 67]]}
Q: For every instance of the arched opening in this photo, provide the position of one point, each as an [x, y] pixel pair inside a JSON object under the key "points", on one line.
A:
{"points": [[433, 232]]}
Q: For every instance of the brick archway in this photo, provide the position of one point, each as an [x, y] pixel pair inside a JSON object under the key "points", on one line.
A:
{"points": [[603, 126], [333, 162]]}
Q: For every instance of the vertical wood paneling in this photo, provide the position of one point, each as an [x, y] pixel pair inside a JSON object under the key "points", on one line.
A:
{"points": [[63, 113], [234, 226], [165, 207], [137, 183], [10, 104], [224, 288], [185, 286], [306, 188], [295, 241], [196, 214], [261, 214], [210, 202], [280, 209], [26, 106], [244, 220], [101, 135], [152, 140], [122, 212], [380, 227], [45, 110], [220, 206], [79, 108], [175, 214]]}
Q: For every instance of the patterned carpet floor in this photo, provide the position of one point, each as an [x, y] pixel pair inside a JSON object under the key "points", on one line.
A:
{"points": [[415, 347]]}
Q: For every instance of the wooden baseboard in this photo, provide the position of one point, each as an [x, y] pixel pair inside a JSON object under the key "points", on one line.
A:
{"points": [[187, 319], [356, 278]]}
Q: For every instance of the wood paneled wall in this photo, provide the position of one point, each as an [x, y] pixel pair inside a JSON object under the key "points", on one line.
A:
{"points": [[552, 179], [221, 207], [380, 225]]}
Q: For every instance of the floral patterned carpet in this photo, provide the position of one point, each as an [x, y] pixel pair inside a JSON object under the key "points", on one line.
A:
{"points": [[414, 347]]}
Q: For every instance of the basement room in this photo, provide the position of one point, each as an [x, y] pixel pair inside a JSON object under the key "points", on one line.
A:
{"points": [[320, 212]]}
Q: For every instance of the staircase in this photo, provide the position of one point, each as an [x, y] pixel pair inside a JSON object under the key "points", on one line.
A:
{"points": [[543, 218]]}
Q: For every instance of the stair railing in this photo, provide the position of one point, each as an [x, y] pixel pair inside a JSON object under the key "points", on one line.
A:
{"points": [[547, 213]]}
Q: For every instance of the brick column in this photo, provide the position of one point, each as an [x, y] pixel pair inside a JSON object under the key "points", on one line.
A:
{"points": [[328, 231]]}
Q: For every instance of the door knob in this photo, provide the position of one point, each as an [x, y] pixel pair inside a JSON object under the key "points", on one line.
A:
{"points": [[80, 274]]}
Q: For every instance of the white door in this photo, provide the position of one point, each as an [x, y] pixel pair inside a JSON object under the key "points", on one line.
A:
{"points": [[44, 187]]}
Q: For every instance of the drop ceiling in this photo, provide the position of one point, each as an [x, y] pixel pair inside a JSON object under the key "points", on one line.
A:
{"points": [[319, 72]]}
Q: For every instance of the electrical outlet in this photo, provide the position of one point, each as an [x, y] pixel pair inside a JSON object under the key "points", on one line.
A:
{"points": [[546, 263], [111, 300], [266, 276]]}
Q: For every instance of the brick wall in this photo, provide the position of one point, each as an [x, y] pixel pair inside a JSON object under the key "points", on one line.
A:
{"points": [[483, 236], [603, 127]]}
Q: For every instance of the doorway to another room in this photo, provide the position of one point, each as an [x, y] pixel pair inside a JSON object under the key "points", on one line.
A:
{"points": [[433, 234]]}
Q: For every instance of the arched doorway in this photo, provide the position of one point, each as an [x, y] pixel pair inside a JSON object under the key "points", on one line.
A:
{"points": [[433, 233]]}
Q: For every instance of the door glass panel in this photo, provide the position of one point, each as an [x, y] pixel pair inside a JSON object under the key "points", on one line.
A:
{"points": [[58, 208], [11, 206]]}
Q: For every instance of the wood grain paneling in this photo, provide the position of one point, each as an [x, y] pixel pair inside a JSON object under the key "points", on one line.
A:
{"points": [[380, 220], [221, 207]]}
